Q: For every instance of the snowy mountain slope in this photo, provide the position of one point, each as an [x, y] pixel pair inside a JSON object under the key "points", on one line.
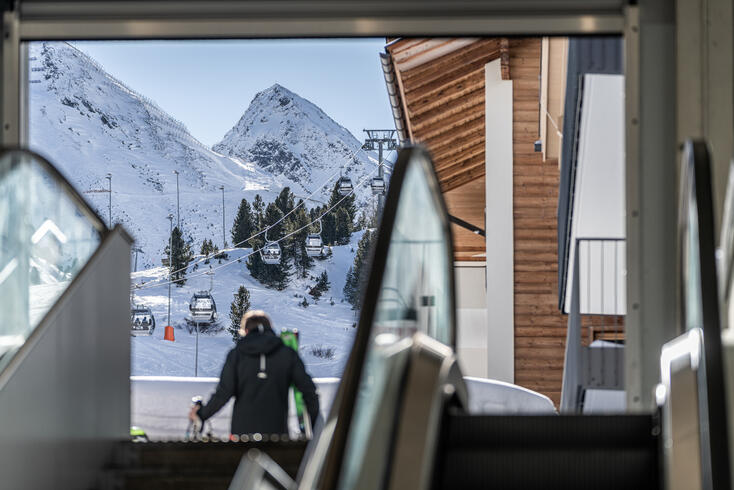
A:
{"points": [[290, 137], [89, 123]]}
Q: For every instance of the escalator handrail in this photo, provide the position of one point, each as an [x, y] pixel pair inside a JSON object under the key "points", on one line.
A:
{"points": [[696, 191], [346, 396]]}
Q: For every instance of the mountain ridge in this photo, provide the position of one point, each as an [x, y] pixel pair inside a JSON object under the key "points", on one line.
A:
{"points": [[88, 122]]}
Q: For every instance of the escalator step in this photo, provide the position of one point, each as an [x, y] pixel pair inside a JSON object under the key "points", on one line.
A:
{"points": [[551, 431], [189, 465], [541, 452]]}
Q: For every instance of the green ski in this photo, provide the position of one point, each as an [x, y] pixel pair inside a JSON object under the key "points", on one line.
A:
{"points": [[290, 339]]}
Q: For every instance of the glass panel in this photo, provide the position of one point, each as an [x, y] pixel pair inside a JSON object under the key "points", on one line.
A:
{"points": [[415, 295], [46, 237], [692, 267]]}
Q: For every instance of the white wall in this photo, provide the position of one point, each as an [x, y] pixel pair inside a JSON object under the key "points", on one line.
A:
{"points": [[471, 317], [499, 225], [599, 197]]}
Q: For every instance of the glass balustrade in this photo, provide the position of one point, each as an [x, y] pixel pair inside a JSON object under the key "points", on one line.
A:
{"points": [[47, 234], [416, 294]]}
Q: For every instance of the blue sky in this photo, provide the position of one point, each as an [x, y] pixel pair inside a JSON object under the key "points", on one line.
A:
{"points": [[209, 84]]}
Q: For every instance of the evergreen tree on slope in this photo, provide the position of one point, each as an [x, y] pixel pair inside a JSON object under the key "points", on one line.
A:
{"points": [[180, 254], [243, 226], [237, 309]]}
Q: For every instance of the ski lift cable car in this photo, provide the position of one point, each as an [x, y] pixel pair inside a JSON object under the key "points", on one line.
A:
{"points": [[203, 308], [378, 185], [142, 321], [345, 186], [314, 243], [270, 253]]}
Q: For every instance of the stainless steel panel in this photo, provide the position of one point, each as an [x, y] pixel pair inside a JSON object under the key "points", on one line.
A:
{"points": [[66, 399]]}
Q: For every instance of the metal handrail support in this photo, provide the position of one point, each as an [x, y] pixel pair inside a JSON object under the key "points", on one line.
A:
{"points": [[570, 389]]}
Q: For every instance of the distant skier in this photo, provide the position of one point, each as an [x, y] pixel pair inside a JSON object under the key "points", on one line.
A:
{"points": [[258, 372]]}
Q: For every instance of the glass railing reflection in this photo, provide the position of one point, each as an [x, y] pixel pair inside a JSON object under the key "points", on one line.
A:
{"points": [[47, 234]]}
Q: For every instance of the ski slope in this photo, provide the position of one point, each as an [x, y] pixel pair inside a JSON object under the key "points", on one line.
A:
{"points": [[320, 324]]}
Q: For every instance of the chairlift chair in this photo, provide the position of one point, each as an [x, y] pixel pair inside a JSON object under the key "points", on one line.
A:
{"points": [[314, 243], [202, 307], [142, 321], [378, 185], [271, 252], [345, 186]]}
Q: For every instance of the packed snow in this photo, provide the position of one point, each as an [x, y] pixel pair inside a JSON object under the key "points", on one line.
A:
{"points": [[321, 323]]}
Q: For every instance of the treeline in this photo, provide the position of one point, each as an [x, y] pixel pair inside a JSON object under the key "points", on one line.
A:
{"points": [[290, 233]]}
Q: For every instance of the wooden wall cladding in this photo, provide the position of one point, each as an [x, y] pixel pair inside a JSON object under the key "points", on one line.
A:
{"points": [[540, 329]]}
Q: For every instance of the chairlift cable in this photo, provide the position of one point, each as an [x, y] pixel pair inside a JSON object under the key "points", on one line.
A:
{"points": [[237, 260], [206, 257]]}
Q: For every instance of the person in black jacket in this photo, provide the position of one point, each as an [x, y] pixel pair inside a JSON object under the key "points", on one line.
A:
{"points": [[258, 372]]}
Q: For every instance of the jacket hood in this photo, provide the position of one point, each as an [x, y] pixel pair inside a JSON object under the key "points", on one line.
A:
{"points": [[255, 343]]}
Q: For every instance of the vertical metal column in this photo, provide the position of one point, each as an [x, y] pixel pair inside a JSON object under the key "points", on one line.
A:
{"points": [[224, 240], [178, 203], [651, 189], [109, 190], [380, 174], [170, 264], [11, 78]]}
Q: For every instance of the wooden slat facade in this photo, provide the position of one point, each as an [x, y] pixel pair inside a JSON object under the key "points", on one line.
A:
{"points": [[540, 329], [442, 88]]}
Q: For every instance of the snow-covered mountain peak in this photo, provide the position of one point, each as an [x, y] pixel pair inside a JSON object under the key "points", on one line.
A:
{"points": [[290, 137]]}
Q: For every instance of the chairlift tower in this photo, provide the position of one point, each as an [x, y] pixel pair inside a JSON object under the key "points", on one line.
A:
{"points": [[380, 139], [170, 264], [137, 250], [109, 191]]}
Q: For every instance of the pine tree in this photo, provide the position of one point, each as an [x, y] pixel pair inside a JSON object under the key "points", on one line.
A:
{"points": [[244, 225], [343, 227], [350, 288], [258, 210], [299, 221], [206, 247], [237, 309], [285, 200], [346, 202], [322, 285], [358, 273], [181, 255], [328, 228]]}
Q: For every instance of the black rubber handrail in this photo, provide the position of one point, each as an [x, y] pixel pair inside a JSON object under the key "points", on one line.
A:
{"points": [[696, 194]]}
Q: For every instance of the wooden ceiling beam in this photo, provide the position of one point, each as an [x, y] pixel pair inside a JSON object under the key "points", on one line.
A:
{"points": [[449, 124], [462, 179], [468, 162], [479, 53], [455, 138], [438, 89], [467, 101], [446, 98], [469, 136]]}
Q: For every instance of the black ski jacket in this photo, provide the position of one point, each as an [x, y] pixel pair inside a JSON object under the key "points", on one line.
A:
{"points": [[260, 385]]}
